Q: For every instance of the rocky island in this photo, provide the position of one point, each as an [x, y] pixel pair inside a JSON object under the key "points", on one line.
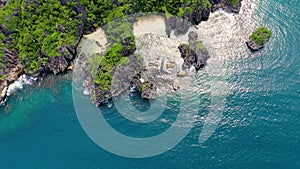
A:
{"points": [[259, 38], [37, 41]]}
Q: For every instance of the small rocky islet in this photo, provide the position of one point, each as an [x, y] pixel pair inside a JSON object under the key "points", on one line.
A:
{"points": [[259, 38], [46, 49]]}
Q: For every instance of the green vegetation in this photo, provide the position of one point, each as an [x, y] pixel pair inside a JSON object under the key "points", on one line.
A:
{"points": [[2, 77], [261, 35], [42, 29], [234, 2], [102, 12], [8, 22], [144, 86], [108, 14], [104, 65], [124, 61], [199, 46], [206, 4], [38, 31], [119, 30]]}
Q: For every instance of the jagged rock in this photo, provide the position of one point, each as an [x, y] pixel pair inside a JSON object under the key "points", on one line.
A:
{"points": [[127, 47], [12, 70], [135, 82], [202, 57], [100, 96], [145, 89], [15, 73], [3, 90], [2, 3], [149, 92], [188, 55], [259, 38], [57, 64], [226, 5], [194, 54], [200, 14], [193, 36], [10, 77], [190, 59], [180, 26], [183, 50], [253, 46]]}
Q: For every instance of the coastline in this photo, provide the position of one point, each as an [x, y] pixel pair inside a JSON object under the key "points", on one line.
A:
{"points": [[259, 127], [61, 67], [220, 18]]}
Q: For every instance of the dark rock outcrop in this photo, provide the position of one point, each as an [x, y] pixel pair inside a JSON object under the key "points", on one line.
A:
{"points": [[253, 46], [128, 48], [10, 77], [200, 14], [194, 54], [2, 3], [101, 96], [259, 38], [146, 89], [123, 75], [149, 91], [135, 82], [12, 70], [5, 31], [180, 26], [226, 5], [57, 64]]}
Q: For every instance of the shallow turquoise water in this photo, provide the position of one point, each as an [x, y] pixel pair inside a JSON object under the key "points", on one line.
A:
{"points": [[260, 127]]}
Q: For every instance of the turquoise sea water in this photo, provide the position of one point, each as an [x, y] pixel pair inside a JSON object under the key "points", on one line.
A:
{"points": [[259, 130]]}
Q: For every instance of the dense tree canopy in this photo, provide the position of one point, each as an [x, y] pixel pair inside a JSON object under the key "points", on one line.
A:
{"points": [[41, 29], [104, 11], [261, 35], [43, 34]]}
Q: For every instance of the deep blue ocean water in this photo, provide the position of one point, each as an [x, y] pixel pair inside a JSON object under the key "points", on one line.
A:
{"points": [[260, 128]]}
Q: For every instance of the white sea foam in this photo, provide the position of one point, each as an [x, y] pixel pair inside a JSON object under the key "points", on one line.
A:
{"points": [[19, 84], [225, 34]]}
